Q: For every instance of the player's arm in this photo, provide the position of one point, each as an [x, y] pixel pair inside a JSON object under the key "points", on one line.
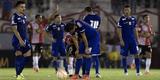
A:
{"points": [[14, 29], [84, 38], [48, 33], [119, 31], [75, 42], [51, 17], [136, 34]]}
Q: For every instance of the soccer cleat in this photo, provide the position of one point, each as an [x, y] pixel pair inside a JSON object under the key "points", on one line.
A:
{"points": [[74, 77], [126, 74], [98, 75], [19, 78], [36, 69], [22, 75], [139, 74], [146, 73], [85, 77]]}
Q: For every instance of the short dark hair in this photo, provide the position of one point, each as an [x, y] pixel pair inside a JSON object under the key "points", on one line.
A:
{"points": [[88, 9], [127, 6], [37, 16], [19, 2], [69, 26], [55, 16], [144, 16]]}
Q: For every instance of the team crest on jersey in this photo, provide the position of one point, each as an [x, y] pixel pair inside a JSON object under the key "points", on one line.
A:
{"points": [[58, 29]]}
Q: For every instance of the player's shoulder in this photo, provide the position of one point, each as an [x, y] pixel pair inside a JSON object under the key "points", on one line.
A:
{"points": [[63, 24], [133, 17]]}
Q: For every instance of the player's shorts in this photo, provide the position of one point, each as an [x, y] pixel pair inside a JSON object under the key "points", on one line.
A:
{"points": [[70, 50], [37, 47], [131, 48], [58, 49], [144, 49], [17, 47], [94, 44]]}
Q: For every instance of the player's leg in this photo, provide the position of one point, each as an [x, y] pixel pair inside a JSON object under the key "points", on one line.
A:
{"points": [[124, 53], [35, 57], [56, 62], [134, 50], [148, 55], [87, 60], [95, 59], [18, 59], [79, 61], [70, 66]]}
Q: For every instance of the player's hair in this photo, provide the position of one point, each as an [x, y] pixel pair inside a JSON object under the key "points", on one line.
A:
{"points": [[55, 16], [69, 26], [144, 16], [126, 6], [19, 2], [37, 16], [88, 9]]}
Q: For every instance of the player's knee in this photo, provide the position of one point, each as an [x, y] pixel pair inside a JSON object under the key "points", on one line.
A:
{"points": [[18, 53]]}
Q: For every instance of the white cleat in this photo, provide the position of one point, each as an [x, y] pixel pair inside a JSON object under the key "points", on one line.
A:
{"points": [[126, 74], [98, 76], [139, 74]]}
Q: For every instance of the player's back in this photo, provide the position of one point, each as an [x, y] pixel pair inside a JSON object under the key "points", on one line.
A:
{"points": [[21, 23], [93, 19], [89, 31]]}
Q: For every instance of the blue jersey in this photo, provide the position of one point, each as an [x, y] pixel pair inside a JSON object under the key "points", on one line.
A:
{"points": [[93, 19], [21, 23], [57, 31], [128, 24], [90, 32]]}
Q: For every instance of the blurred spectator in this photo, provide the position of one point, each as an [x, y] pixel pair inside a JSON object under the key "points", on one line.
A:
{"points": [[114, 58], [6, 9], [115, 5]]}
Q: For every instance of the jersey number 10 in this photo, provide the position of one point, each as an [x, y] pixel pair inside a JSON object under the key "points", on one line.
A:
{"points": [[94, 24]]}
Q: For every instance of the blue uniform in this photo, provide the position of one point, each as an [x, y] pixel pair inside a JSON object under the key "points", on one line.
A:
{"points": [[91, 35], [20, 22], [127, 26], [58, 33], [93, 19]]}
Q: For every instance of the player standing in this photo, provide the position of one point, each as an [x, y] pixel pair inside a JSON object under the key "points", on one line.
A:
{"points": [[37, 39], [128, 38], [20, 40], [94, 20], [58, 46], [86, 45], [144, 39]]}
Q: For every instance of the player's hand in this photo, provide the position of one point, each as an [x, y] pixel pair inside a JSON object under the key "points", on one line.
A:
{"points": [[122, 43], [88, 50], [22, 43], [52, 40]]}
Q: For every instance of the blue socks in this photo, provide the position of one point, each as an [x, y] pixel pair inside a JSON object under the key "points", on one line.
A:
{"points": [[124, 63], [18, 61], [137, 63], [78, 65], [87, 63], [96, 62]]}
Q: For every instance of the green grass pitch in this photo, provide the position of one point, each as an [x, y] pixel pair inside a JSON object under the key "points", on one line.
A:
{"points": [[107, 74]]}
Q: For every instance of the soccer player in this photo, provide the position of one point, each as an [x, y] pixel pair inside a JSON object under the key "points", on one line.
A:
{"points": [[58, 46], [94, 20], [144, 39], [20, 41], [70, 52], [86, 45], [128, 38], [37, 39]]}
